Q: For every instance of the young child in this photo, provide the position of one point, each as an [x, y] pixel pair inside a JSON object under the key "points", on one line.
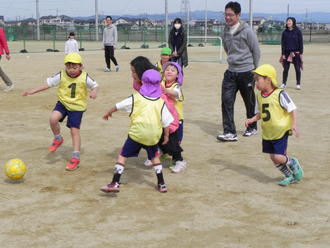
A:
{"points": [[149, 116], [278, 116], [171, 87], [71, 45], [165, 56], [139, 65], [72, 102]]}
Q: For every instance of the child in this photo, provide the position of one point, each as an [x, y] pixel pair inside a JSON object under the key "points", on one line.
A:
{"points": [[172, 89], [148, 115], [165, 56], [71, 45], [138, 66], [278, 118], [72, 102]]}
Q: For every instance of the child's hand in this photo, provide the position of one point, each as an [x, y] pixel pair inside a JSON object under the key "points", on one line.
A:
{"points": [[248, 122], [93, 95], [295, 131], [165, 140], [26, 93], [107, 115]]}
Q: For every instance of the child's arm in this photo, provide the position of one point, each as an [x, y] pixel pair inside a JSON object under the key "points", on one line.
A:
{"points": [[166, 135], [171, 93], [36, 90], [109, 113], [294, 122], [253, 119], [93, 93]]}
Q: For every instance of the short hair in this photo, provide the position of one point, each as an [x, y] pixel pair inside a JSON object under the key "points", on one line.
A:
{"points": [[141, 64], [109, 17], [235, 6]]}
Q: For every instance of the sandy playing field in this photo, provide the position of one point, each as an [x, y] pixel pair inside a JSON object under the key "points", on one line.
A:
{"points": [[228, 196]]}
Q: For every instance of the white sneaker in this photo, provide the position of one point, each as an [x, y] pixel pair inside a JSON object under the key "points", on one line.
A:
{"points": [[9, 88], [179, 166], [250, 132], [148, 163], [117, 68], [107, 70], [227, 137], [298, 87], [283, 86]]}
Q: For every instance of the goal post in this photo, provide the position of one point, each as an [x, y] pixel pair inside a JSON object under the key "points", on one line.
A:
{"points": [[210, 49]]}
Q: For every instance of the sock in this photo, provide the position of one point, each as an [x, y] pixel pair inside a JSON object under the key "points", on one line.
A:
{"points": [[76, 154], [159, 173], [288, 161], [284, 169], [117, 173], [58, 137]]}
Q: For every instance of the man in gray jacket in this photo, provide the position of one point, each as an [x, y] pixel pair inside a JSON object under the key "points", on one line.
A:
{"points": [[241, 46], [110, 38]]}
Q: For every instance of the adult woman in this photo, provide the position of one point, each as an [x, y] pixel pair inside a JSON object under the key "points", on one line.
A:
{"points": [[292, 51], [177, 41]]}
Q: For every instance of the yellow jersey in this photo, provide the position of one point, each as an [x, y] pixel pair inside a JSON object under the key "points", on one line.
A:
{"points": [[178, 103], [275, 120], [72, 92], [146, 120]]}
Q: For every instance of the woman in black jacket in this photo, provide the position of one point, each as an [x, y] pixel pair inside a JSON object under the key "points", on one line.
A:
{"points": [[177, 41], [292, 51]]}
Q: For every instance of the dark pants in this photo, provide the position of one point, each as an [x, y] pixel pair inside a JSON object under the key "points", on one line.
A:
{"points": [[233, 82], [109, 54], [286, 66]]}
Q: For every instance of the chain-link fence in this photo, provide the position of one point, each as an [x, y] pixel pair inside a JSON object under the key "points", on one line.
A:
{"points": [[24, 37]]}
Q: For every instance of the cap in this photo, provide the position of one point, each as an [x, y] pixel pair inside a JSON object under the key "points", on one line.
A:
{"points": [[151, 84], [166, 51], [267, 70], [73, 58]]}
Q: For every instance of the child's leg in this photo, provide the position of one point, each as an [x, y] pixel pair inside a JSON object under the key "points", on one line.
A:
{"points": [[280, 162], [76, 141], [55, 117], [159, 173]]}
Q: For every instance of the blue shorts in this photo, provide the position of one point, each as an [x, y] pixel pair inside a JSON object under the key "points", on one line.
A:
{"points": [[132, 148], [275, 146], [74, 117]]}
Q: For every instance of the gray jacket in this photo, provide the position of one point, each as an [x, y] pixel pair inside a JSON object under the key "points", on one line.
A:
{"points": [[110, 36], [242, 48]]}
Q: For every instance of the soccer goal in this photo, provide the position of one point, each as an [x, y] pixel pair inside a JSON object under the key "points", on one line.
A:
{"points": [[205, 49]]}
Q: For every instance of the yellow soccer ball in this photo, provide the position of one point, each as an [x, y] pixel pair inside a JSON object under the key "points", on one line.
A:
{"points": [[15, 169]]}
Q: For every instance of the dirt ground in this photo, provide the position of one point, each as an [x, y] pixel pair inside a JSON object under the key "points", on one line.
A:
{"points": [[228, 196]]}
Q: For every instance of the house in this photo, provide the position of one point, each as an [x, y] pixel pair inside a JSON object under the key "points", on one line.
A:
{"points": [[56, 20]]}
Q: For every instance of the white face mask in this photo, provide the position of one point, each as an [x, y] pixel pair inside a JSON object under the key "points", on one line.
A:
{"points": [[177, 25]]}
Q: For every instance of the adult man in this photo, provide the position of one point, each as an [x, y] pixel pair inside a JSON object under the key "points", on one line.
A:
{"points": [[243, 54], [110, 38], [4, 50]]}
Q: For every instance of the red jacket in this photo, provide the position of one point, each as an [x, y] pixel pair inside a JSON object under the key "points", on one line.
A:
{"points": [[3, 43]]}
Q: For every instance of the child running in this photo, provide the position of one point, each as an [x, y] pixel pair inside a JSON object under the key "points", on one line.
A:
{"points": [[149, 115], [72, 102], [278, 116]]}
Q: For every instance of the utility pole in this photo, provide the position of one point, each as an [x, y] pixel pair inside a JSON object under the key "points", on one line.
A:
{"points": [[96, 21], [38, 19], [288, 11], [166, 21], [185, 8], [251, 13], [205, 26]]}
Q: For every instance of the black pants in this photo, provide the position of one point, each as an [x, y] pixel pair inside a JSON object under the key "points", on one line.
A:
{"points": [[286, 66], [109, 54], [233, 82]]}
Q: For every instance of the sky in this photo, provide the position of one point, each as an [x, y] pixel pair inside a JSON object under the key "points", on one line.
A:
{"points": [[21, 9]]}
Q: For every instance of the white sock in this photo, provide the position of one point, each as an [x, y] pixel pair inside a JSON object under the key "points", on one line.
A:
{"points": [[158, 168], [119, 169]]}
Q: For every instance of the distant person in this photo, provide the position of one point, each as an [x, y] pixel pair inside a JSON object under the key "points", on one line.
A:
{"points": [[72, 92], [110, 38], [243, 54], [71, 45], [5, 50], [278, 115], [292, 51], [177, 42]]}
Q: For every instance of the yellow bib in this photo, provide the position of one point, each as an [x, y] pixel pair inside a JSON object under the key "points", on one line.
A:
{"points": [[275, 120], [177, 103], [72, 92], [146, 120]]}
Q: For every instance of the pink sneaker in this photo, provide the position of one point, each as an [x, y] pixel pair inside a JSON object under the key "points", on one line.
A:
{"points": [[73, 164], [111, 187], [56, 144]]}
